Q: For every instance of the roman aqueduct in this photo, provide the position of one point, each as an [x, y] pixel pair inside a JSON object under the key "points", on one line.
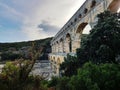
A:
{"points": [[68, 39]]}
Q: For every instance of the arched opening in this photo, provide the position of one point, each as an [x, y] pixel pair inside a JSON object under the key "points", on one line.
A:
{"points": [[58, 61], [75, 20], [54, 58], [80, 16], [85, 11], [81, 27], [71, 23], [87, 29], [61, 45], [50, 57], [93, 4], [68, 43], [81, 33], [114, 6]]}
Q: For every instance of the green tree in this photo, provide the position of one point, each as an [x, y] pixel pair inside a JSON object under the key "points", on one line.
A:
{"points": [[96, 77], [16, 75], [103, 43], [63, 83], [69, 66]]}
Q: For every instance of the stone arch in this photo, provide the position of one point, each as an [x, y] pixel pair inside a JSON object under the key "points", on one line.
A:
{"points": [[50, 57], [61, 45], [54, 58], [80, 16], [93, 3], [114, 6], [58, 61], [81, 27], [85, 10], [68, 43], [78, 35]]}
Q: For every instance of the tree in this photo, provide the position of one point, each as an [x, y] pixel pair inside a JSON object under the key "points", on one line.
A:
{"points": [[69, 66], [103, 43], [16, 75], [96, 77]]}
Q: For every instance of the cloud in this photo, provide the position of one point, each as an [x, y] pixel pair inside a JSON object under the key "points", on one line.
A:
{"points": [[49, 29], [50, 16], [40, 18], [40, 31]]}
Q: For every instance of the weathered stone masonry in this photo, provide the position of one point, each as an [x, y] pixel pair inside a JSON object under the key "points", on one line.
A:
{"points": [[68, 39]]}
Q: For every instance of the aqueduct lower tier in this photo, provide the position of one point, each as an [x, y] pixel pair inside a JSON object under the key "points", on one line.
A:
{"points": [[68, 39]]}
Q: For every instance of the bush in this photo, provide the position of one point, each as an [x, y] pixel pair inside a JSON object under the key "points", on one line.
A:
{"points": [[91, 77], [69, 66], [96, 77]]}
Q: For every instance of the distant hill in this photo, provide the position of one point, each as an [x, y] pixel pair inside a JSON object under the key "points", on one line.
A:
{"points": [[16, 47]]}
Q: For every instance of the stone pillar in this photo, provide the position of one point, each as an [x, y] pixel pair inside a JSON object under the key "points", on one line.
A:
{"points": [[67, 47], [57, 70], [54, 48], [75, 45], [61, 46], [76, 42], [64, 45]]}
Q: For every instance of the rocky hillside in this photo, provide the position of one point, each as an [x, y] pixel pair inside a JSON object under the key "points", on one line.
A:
{"points": [[13, 50]]}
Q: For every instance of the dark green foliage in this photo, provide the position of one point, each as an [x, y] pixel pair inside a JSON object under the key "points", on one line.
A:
{"points": [[7, 49], [103, 43], [10, 56], [63, 83], [59, 83], [53, 82], [83, 38], [91, 77], [16, 75], [97, 77], [69, 66], [18, 45]]}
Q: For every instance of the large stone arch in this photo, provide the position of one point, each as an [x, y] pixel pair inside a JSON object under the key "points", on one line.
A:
{"points": [[68, 41], [78, 35], [114, 6], [81, 27]]}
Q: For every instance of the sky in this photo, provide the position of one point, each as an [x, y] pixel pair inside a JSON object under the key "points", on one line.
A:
{"points": [[23, 20]]}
